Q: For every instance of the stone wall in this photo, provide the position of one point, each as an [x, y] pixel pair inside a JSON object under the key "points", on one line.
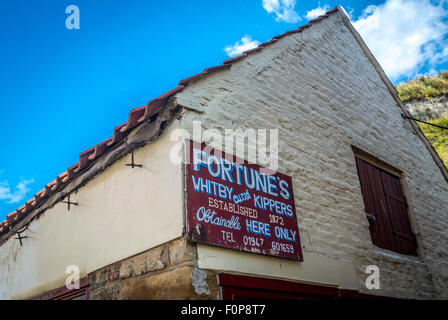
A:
{"points": [[168, 271], [324, 95], [428, 108]]}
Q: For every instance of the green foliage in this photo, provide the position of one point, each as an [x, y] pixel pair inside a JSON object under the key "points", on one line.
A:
{"points": [[438, 137], [424, 87]]}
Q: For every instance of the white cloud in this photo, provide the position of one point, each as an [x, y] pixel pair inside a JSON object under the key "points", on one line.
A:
{"points": [[349, 11], [405, 35], [313, 14], [19, 192], [283, 9], [246, 43]]}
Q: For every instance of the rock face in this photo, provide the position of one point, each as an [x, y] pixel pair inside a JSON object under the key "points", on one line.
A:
{"points": [[429, 108]]}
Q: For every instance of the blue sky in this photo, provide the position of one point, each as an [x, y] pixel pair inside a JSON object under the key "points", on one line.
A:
{"points": [[63, 91]]}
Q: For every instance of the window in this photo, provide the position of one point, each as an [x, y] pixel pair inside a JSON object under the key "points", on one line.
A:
{"points": [[386, 209]]}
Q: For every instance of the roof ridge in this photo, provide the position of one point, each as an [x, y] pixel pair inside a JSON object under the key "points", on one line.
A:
{"points": [[135, 117]]}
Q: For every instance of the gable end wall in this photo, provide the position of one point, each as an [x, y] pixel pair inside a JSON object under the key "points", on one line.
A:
{"points": [[324, 95]]}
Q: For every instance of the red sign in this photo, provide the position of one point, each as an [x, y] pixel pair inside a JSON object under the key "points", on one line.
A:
{"points": [[234, 204]]}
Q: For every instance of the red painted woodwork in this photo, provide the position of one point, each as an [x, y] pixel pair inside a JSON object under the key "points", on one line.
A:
{"points": [[62, 293]]}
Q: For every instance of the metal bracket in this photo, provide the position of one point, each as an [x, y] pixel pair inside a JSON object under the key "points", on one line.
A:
{"points": [[69, 202], [132, 164], [19, 236]]}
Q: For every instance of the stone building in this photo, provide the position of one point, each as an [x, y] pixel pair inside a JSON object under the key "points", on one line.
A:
{"points": [[370, 193]]}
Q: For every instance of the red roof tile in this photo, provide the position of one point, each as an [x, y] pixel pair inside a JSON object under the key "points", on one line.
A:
{"points": [[136, 116]]}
